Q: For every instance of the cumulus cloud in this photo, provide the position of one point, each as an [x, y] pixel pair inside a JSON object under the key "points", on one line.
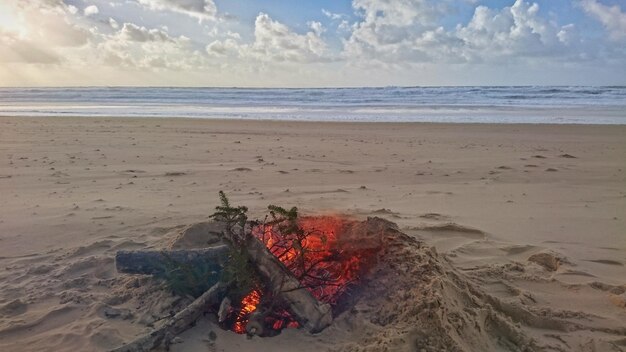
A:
{"points": [[135, 33], [381, 34], [52, 32], [611, 17], [567, 33], [134, 46], [200, 9], [317, 27], [397, 13], [388, 29], [91, 10], [113, 23], [38, 31], [410, 32], [274, 41], [221, 48], [516, 31]]}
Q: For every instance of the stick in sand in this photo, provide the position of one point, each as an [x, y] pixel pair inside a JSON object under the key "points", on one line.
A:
{"points": [[180, 322]]}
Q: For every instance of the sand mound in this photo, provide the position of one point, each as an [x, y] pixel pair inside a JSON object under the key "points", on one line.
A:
{"points": [[415, 299], [549, 260], [199, 235]]}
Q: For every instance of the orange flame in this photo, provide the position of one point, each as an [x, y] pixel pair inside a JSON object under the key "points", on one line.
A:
{"points": [[323, 265], [248, 306]]}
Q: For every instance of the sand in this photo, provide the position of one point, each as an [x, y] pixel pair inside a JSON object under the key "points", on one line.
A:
{"points": [[525, 224]]}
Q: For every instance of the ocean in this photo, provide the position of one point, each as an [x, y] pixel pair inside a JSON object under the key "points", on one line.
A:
{"points": [[525, 104]]}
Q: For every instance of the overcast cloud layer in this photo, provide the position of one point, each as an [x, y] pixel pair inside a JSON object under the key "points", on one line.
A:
{"points": [[376, 42]]}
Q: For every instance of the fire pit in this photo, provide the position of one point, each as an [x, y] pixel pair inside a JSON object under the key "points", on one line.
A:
{"points": [[383, 288], [283, 272], [322, 257]]}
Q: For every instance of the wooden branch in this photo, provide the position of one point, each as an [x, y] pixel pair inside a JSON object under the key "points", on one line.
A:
{"points": [[156, 262], [308, 311], [177, 324]]}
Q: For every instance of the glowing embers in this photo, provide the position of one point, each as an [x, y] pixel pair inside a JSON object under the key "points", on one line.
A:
{"points": [[255, 319], [315, 253], [248, 306], [314, 256]]}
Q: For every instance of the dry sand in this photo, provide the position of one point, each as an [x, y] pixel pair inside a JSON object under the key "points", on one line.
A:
{"points": [[528, 222]]}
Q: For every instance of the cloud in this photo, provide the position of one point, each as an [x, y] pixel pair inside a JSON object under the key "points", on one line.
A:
{"points": [[388, 30], [382, 42], [138, 47], [317, 27], [378, 14], [91, 10], [516, 31], [409, 32], [113, 23], [333, 16], [221, 48], [134, 33], [37, 31], [19, 50], [275, 42], [200, 9], [611, 17], [51, 32]]}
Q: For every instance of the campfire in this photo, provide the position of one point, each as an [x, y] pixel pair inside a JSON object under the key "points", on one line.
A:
{"points": [[322, 262], [283, 272]]}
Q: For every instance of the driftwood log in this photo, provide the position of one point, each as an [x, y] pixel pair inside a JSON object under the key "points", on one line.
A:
{"points": [[177, 324], [312, 314], [157, 262]]}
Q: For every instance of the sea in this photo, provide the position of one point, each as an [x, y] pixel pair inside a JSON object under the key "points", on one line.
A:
{"points": [[479, 104]]}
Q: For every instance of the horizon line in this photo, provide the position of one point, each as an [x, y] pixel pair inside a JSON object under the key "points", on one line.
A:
{"points": [[318, 87]]}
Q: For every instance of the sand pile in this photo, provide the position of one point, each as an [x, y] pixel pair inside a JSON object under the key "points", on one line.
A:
{"points": [[414, 299]]}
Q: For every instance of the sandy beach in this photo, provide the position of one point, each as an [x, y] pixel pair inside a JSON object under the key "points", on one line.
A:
{"points": [[487, 197]]}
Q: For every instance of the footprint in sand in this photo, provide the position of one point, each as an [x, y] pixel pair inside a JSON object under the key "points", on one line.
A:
{"points": [[576, 273], [453, 230], [606, 261], [50, 320], [384, 211], [517, 249], [13, 308], [90, 249], [433, 216], [549, 260]]}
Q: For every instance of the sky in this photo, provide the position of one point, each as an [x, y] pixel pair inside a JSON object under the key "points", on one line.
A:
{"points": [[321, 43]]}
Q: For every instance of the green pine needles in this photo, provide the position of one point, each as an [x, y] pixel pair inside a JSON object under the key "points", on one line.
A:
{"points": [[238, 273]]}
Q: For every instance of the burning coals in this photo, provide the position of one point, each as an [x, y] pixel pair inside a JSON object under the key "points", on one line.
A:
{"points": [[328, 256]]}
